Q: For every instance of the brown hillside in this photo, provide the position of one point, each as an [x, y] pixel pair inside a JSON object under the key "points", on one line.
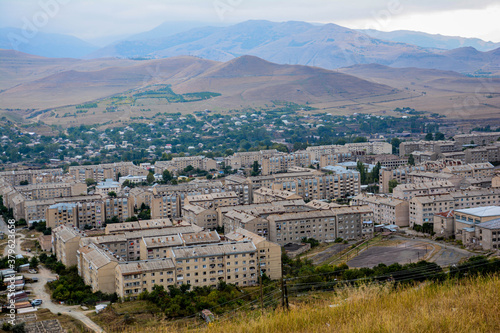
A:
{"points": [[246, 79]]}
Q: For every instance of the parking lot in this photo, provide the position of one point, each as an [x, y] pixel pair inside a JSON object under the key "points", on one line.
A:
{"points": [[405, 250]]}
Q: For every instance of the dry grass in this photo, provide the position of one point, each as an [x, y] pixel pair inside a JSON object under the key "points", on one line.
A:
{"points": [[137, 314], [468, 306]]}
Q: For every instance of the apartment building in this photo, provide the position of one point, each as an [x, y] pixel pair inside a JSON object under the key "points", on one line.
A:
{"points": [[52, 190], [138, 196], [388, 161], [115, 228], [240, 185], [264, 194], [65, 244], [16, 177], [444, 224], [213, 200], [474, 170], [456, 155], [483, 154], [292, 227], [180, 163], [477, 138], [375, 148], [132, 278], [281, 163], [478, 227], [246, 159], [62, 214], [408, 191], [156, 247], [35, 210], [235, 219], [165, 206], [334, 159], [269, 253], [424, 177], [423, 208], [130, 240], [337, 183], [444, 146], [106, 186], [101, 172], [96, 266], [386, 210], [206, 265], [317, 151], [203, 217], [487, 234], [261, 210], [167, 200], [350, 218], [323, 225], [476, 197]]}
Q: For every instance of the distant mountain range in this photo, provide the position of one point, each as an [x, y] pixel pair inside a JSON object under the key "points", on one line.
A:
{"points": [[432, 40], [44, 44], [328, 46]]}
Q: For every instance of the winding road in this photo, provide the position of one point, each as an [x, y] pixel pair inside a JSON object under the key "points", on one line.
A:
{"points": [[39, 291]]}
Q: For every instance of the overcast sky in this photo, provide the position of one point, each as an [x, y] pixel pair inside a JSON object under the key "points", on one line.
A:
{"points": [[95, 19]]}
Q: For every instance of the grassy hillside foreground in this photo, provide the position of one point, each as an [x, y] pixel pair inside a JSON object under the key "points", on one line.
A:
{"points": [[469, 305]]}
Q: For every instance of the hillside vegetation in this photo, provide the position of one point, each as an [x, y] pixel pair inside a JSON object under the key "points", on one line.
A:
{"points": [[468, 305]]}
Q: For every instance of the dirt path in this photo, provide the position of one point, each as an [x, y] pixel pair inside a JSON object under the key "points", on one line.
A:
{"points": [[74, 310], [39, 291]]}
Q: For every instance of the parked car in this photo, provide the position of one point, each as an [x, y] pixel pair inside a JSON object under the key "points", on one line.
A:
{"points": [[32, 271], [36, 302]]}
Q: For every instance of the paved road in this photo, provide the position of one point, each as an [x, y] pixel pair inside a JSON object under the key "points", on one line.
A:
{"points": [[38, 288], [74, 311]]}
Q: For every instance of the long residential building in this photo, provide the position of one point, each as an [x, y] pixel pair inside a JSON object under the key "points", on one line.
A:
{"points": [[477, 138], [30, 176], [408, 191], [180, 163], [348, 222], [408, 147], [386, 210], [100, 172], [423, 208]]}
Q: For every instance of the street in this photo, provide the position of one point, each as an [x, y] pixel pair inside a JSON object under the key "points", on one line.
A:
{"points": [[38, 288]]}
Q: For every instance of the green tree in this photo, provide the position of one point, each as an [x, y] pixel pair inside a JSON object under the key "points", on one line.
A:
{"points": [[34, 262], [411, 160], [90, 181], [150, 178], [392, 184], [23, 182], [429, 137], [112, 194], [376, 172], [167, 176], [438, 136], [362, 172], [395, 142], [255, 168]]}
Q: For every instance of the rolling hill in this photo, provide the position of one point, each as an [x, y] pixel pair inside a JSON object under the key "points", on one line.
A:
{"points": [[244, 80]]}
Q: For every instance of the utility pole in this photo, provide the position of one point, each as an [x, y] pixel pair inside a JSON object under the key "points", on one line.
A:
{"points": [[261, 289], [282, 287], [286, 294]]}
